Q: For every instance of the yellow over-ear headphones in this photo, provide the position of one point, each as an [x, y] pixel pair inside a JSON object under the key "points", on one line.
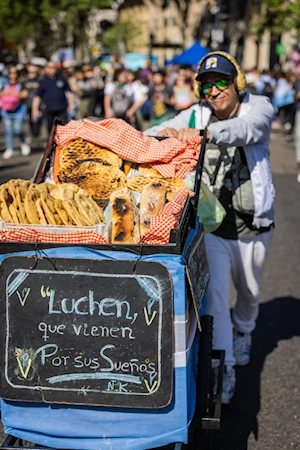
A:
{"points": [[240, 79]]}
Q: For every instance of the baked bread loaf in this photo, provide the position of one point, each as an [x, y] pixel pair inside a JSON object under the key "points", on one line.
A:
{"points": [[125, 219], [21, 192], [32, 195], [147, 170], [47, 203], [43, 220], [137, 183], [66, 191], [80, 150], [173, 185], [15, 182], [46, 188], [152, 202], [101, 182], [72, 211], [5, 200], [64, 216], [89, 209]]}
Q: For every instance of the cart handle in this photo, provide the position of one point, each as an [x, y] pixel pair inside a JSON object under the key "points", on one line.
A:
{"points": [[46, 157], [199, 169]]}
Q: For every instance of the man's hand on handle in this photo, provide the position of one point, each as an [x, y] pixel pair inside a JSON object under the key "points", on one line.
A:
{"points": [[183, 135], [168, 132]]}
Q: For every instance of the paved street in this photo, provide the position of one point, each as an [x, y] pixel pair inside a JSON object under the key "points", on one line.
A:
{"points": [[265, 412]]}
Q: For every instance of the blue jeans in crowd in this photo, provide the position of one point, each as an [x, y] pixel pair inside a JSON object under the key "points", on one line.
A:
{"points": [[14, 125]]}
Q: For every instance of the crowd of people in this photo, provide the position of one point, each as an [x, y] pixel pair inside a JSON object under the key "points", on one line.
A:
{"points": [[283, 90], [41, 93], [145, 97]]}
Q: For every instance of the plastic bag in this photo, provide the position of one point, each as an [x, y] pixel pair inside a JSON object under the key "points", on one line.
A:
{"points": [[210, 210], [189, 180]]}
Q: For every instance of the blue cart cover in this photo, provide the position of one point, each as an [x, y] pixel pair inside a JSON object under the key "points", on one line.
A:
{"points": [[103, 428]]}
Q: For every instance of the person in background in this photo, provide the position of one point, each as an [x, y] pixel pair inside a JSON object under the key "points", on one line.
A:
{"points": [[171, 73], [3, 79], [251, 83], [69, 72], [97, 106], [237, 170], [295, 60], [87, 90], [266, 85], [13, 112], [138, 85], [162, 97], [55, 93], [118, 96], [284, 102], [183, 91], [31, 83], [189, 74]]}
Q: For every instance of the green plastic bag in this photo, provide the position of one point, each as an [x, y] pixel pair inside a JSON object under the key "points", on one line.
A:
{"points": [[210, 210]]}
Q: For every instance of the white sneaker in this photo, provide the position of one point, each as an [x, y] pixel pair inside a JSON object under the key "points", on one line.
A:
{"points": [[9, 153], [298, 177], [25, 149], [228, 383], [241, 347]]}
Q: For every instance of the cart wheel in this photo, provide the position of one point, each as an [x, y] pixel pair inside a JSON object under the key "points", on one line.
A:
{"points": [[204, 404], [204, 374]]}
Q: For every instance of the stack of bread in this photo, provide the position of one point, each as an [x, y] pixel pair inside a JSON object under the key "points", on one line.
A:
{"points": [[23, 202], [88, 179]]}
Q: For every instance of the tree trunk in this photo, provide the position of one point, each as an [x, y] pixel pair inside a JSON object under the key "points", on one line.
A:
{"points": [[80, 36]]}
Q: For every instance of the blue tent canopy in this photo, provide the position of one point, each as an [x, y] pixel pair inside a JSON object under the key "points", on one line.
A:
{"points": [[191, 55]]}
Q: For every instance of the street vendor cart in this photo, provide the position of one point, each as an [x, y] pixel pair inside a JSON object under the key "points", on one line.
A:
{"points": [[107, 346]]}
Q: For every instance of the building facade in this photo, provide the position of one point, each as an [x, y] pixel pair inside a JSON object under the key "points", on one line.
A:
{"points": [[167, 29]]}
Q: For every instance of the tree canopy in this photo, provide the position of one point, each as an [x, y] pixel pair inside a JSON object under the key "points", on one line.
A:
{"points": [[126, 32], [21, 20], [279, 16]]}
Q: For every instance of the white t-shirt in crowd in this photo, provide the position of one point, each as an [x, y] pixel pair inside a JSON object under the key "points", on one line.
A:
{"points": [[111, 86], [139, 90]]}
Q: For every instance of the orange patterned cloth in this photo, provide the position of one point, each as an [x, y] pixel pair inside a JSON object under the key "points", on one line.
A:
{"points": [[31, 235], [159, 232], [170, 157]]}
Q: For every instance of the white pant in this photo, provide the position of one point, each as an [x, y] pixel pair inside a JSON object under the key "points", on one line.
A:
{"points": [[245, 260]]}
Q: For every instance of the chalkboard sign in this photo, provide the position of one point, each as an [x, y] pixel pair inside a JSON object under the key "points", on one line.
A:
{"points": [[197, 269], [92, 332]]}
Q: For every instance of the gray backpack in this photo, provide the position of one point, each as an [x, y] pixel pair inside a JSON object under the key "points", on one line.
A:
{"points": [[242, 191], [120, 102]]}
